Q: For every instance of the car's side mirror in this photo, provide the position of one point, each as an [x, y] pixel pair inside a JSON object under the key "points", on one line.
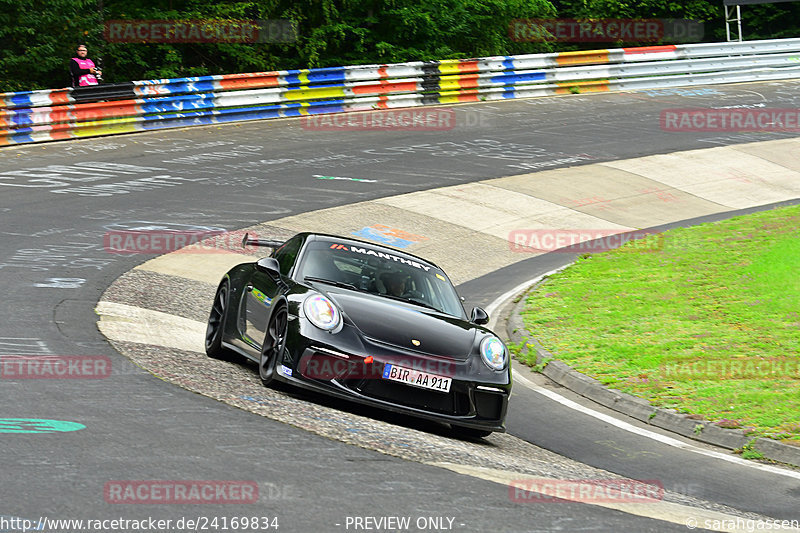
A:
{"points": [[269, 265], [479, 316]]}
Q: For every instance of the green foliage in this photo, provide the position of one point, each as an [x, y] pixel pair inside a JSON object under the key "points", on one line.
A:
{"points": [[749, 451], [701, 10], [37, 38], [768, 21], [396, 31], [777, 21], [708, 12]]}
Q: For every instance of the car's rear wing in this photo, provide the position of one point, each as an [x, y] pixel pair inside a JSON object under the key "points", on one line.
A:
{"points": [[267, 243]]}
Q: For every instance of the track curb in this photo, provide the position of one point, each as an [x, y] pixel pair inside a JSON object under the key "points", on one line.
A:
{"points": [[633, 406]]}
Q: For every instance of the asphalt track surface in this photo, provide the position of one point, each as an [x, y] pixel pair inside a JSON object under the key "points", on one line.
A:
{"points": [[53, 268]]}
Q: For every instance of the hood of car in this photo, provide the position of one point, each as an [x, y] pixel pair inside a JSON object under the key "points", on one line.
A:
{"points": [[406, 326]]}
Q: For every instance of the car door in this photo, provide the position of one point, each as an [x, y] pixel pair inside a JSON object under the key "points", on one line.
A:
{"points": [[259, 294]]}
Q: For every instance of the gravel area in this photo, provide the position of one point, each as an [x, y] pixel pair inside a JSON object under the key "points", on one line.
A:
{"points": [[161, 292]]}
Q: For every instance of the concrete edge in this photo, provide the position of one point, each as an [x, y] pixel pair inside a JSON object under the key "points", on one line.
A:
{"points": [[700, 430]]}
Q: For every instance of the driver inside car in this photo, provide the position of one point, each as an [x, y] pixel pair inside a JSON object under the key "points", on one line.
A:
{"points": [[395, 284]]}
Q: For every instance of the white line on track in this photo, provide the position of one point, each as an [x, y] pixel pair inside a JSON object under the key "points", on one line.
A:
{"points": [[669, 441]]}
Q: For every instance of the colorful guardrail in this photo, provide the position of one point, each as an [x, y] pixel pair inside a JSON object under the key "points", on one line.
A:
{"points": [[38, 116]]}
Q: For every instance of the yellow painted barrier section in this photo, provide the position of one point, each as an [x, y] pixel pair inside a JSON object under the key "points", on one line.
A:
{"points": [[106, 127], [587, 57], [449, 67], [450, 84], [455, 97], [311, 93]]}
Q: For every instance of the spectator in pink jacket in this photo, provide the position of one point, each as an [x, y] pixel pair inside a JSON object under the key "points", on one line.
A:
{"points": [[82, 70]]}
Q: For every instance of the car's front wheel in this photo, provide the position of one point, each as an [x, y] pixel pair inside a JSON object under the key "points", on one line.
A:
{"points": [[274, 344]]}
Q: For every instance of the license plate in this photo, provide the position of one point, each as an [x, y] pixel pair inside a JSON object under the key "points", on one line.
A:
{"points": [[416, 378]]}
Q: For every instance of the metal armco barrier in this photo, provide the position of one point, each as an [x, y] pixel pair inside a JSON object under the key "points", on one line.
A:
{"points": [[37, 116]]}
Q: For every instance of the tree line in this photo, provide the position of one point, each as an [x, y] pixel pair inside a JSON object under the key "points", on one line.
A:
{"points": [[38, 37]]}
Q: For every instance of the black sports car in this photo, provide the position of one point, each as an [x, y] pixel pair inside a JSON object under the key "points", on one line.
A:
{"points": [[366, 323]]}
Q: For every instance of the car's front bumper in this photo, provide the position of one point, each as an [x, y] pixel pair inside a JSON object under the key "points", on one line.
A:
{"points": [[468, 403]]}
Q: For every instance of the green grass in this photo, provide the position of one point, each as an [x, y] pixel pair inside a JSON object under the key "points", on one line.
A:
{"points": [[707, 322]]}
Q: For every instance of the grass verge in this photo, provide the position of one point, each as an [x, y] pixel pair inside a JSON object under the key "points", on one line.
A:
{"points": [[707, 322]]}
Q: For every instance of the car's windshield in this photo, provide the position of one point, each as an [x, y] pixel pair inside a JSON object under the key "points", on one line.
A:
{"points": [[380, 272]]}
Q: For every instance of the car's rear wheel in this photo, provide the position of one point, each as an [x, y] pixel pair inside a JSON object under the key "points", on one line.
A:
{"points": [[470, 433], [274, 344], [216, 325]]}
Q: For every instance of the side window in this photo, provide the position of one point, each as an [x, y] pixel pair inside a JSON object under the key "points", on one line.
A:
{"points": [[287, 254]]}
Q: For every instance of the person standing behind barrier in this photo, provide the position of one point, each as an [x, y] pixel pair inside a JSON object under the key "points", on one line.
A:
{"points": [[82, 70]]}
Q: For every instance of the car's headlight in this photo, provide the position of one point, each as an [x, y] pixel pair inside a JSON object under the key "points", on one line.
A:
{"points": [[321, 312], [493, 353]]}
